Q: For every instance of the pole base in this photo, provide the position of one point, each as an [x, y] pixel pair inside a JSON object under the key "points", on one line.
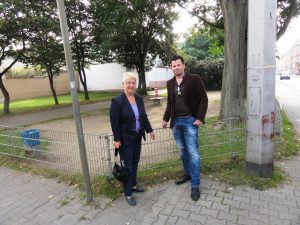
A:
{"points": [[260, 170]]}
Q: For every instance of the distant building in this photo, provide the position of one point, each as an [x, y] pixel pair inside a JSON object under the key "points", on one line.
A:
{"points": [[291, 59]]}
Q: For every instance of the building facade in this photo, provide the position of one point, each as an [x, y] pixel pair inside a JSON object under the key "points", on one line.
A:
{"points": [[291, 59]]}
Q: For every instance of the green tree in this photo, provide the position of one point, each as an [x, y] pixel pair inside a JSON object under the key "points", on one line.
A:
{"points": [[204, 43], [44, 43], [134, 32], [196, 45], [13, 36], [81, 24]]}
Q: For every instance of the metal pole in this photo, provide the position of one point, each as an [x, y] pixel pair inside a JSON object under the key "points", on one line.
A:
{"points": [[108, 155], [73, 88], [261, 87]]}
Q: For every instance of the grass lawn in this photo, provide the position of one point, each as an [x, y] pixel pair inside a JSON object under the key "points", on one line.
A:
{"points": [[42, 103]]}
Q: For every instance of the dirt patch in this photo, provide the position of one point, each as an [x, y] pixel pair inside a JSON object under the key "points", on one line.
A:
{"points": [[98, 122]]}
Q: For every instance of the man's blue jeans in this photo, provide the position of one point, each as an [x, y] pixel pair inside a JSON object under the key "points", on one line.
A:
{"points": [[186, 137]]}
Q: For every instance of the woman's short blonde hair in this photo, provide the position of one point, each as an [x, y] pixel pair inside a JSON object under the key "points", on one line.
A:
{"points": [[128, 75]]}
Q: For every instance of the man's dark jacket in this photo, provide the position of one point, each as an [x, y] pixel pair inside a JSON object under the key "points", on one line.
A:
{"points": [[195, 98], [123, 121]]}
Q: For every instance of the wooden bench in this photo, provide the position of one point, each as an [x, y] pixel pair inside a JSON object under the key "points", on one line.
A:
{"points": [[156, 100]]}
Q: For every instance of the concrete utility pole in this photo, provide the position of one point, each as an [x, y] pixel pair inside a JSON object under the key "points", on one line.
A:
{"points": [[261, 87], [73, 88]]}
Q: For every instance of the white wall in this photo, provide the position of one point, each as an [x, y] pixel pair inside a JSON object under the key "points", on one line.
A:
{"points": [[102, 77], [158, 74], [108, 76]]}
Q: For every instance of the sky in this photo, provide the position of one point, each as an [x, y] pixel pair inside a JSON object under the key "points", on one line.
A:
{"points": [[290, 36], [184, 23]]}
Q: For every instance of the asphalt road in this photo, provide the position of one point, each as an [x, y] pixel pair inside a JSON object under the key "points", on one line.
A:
{"points": [[288, 92]]}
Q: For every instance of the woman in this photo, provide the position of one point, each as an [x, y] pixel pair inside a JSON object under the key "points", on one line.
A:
{"points": [[129, 122]]}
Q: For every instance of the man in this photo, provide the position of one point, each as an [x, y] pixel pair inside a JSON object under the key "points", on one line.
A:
{"points": [[186, 107]]}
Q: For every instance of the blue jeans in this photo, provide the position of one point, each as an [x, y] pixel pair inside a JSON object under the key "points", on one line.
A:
{"points": [[186, 137], [130, 154]]}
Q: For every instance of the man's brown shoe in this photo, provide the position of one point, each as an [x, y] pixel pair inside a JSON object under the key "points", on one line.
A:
{"points": [[182, 179]]}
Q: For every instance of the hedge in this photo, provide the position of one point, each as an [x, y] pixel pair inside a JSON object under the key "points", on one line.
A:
{"points": [[211, 72]]}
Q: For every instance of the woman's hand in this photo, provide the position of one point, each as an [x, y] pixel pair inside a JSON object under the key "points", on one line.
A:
{"points": [[152, 135], [117, 144]]}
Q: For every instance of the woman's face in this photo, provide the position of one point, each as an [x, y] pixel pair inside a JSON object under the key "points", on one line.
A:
{"points": [[129, 85]]}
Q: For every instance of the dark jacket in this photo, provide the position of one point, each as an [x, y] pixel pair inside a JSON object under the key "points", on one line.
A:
{"points": [[195, 98], [123, 122]]}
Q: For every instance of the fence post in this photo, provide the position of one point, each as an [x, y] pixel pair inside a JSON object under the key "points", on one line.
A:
{"points": [[108, 155], [232, 155]]}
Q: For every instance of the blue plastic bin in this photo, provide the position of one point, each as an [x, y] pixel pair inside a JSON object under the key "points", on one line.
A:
{"points": [[31, 138]]}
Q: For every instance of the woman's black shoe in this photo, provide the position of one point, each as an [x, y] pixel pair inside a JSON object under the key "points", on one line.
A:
{"points": [[130, 200], [182, 179], [138, 189]]}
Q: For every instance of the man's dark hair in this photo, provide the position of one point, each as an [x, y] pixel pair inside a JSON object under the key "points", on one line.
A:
{"points": [[176, 57]]}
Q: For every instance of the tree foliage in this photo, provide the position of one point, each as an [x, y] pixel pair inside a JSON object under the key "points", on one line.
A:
{"points": [[204, 43], [13, 35], [44, 43], [134, 32], [287, 9], [81, 24]]}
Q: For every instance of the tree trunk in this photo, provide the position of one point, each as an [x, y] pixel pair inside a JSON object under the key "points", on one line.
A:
{"points": [[234, 74], [82, 79], [143, 82], [6, 97], [142, 79], [143, 76], [86, 92], [50, 77], [3, 89], [138, 69]]}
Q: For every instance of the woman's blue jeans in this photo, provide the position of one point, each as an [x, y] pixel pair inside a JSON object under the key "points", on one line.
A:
{"points": [[186, 137], [130, 154]]}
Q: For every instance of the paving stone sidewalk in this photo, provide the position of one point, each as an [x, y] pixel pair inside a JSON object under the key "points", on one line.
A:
{"points": [[33, 200]]}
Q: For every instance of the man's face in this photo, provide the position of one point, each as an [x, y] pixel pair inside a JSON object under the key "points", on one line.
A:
{"points": [[177, 67]]}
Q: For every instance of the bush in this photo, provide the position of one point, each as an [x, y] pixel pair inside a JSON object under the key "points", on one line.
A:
{"points": [[211, 72], [29, 72]]}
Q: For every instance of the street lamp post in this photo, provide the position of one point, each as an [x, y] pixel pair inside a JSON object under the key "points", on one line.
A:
{"points": [[73, 88]]}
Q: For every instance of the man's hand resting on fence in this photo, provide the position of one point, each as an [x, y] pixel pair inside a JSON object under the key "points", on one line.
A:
{"points": [[164, 124]]}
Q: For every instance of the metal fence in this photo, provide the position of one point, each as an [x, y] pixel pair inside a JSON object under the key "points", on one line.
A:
{"points": [[59, 150]]}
